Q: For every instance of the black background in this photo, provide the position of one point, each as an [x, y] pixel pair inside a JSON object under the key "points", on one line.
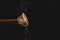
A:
{"points": [[51, 3]]}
